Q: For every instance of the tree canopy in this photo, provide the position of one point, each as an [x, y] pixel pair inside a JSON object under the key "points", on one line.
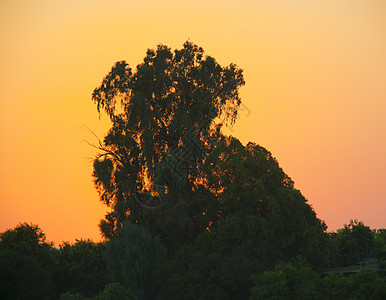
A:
{"points": [[217, 265], [165, 164], [194, 214], [26, 263], [166, 115]]}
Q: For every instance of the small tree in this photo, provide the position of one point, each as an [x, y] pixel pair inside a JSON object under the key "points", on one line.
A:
{"points": [[26, 263], [26, 239], [82, 268], [353, 243]]}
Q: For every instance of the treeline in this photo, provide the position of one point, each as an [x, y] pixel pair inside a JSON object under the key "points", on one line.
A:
{"points": [[32, 268], [192, 214], [137, 266]]}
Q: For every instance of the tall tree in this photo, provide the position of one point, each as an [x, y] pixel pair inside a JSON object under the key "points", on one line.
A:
{"points": [[166, 115]]}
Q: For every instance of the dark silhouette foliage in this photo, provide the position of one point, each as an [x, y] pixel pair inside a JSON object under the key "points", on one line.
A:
{"points": [[352, 244], [81, 268], [165, 117], [115, 291], [131, 258], [165, 166], [193, 214], [26, 264], [292, 280]]}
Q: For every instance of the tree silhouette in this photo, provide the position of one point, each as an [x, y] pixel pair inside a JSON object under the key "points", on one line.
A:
{"points": [[351, 244], [165, 117], [81, 268], [223, 210], [26, 264]]}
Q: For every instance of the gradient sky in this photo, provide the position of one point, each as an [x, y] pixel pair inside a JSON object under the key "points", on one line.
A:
{"points": [[315, 96]]}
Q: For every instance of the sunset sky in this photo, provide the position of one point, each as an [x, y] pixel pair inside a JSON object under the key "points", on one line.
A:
{"points": [[315, 96]]}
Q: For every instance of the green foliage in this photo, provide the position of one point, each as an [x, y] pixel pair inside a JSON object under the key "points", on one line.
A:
{"points": [[23, 277], [351, 244], [71, 296], [335, 287], [115, 291], [270, 285], [196, 272], [82, 268], [217, 264], [131, 258], [26, 263], [27, 239], [367, 284], [224, 211], [249, 216], [287, 281], [291, 227], [296, 280], [162, 125], [380, 247], [254, 194]]}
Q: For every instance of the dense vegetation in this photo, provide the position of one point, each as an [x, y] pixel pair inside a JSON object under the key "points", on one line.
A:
{"points": [[193, 214], [136, 266]]}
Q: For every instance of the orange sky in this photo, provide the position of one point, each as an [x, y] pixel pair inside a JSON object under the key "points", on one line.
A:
{"points": [[315, 76]]}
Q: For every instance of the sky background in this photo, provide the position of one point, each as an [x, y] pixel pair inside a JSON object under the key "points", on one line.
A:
{"points": [[315, 96]]}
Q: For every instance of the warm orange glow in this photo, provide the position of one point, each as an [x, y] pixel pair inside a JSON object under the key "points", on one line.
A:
{"points": [[315, 96]]}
